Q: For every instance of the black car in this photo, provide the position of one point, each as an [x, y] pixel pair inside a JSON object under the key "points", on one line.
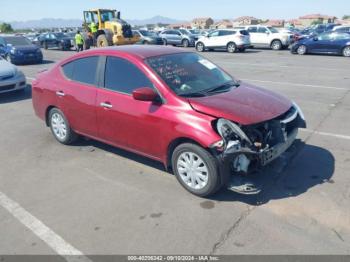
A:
{"points": [[56, 40]]}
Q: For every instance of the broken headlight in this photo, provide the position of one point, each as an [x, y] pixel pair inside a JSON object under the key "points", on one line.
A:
{"points": [[229, 131]]}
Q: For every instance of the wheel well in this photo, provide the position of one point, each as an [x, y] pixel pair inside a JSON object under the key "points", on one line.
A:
{"points": [[47, 115], [172, 147], [231, 42], [276, 39]]}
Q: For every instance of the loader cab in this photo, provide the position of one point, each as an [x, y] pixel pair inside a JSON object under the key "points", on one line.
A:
{"points": [[100, 17]]}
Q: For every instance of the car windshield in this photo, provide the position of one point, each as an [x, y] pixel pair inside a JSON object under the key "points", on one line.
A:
{"points": [[17, 41], [273, 30], [147, 33], [189, 74]]}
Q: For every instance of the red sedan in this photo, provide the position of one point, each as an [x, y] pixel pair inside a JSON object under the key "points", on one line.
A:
{"points": [[170, 105]]}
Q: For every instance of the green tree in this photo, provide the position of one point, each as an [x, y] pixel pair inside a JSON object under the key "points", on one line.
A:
{"points": [[6, 28], [346, 17], [317, 22]]}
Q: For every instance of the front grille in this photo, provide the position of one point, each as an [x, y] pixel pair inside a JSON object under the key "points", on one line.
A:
{"points": [[7, 87]]}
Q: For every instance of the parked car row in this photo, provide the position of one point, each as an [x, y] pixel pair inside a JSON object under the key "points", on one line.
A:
{"points": [[11, 78]]}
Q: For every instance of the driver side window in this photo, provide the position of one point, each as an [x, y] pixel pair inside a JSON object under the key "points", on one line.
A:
{"points": [[124, 77], [215, 33], [262, 30]]}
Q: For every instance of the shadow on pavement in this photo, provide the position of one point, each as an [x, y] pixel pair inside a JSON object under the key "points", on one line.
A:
{"points": [[311, 166], [16, 96]]}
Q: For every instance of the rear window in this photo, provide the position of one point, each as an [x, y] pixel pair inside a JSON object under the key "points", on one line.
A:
{"points": [[83, 70], [226, 32]]}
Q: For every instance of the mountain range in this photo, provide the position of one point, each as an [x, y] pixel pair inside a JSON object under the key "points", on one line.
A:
{"points": [[56, 22]]}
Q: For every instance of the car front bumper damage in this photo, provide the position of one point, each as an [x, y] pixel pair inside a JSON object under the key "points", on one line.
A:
{"points": [[253, 147]]}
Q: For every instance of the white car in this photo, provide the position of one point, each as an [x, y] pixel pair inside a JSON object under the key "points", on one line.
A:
{"points": [[270, 37], [11, 78], [342, 28], [228, 39]]}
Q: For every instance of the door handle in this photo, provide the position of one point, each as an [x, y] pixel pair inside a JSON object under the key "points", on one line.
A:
{"points": [[106, 105], [60, 93]]}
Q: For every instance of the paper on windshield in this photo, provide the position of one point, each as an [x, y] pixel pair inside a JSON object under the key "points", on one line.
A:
{"points": [[207, 64]]}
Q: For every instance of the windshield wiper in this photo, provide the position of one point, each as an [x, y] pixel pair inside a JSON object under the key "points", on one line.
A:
{"points": [[224, 87], [195, 94]]}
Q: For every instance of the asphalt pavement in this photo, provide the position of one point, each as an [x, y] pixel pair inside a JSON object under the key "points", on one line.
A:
{"points": [[91, 198]]}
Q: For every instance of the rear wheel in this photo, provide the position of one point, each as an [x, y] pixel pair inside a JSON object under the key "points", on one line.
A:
{"points": [[346, 51], [200, 47], [196, 169], [46, 46], [102, 41], [185, 43], [231, 47], [60, 127], [276, 45], [165, 42], [301, 50]]}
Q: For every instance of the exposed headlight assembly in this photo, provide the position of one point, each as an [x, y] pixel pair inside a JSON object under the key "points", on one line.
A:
{"points": [[228, 130]]}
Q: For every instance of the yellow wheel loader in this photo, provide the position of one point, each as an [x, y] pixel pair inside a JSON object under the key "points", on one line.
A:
{"points": [[110, 28]]}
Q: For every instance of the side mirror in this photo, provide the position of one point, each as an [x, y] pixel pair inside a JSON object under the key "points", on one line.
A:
{"points": [[145, 94]]}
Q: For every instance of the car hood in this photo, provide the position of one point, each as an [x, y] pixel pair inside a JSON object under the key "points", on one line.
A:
{"points": [[245, 105], [6, 69]]}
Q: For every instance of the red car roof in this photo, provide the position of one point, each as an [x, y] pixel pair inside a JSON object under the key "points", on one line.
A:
{"points": [[142, 51]]}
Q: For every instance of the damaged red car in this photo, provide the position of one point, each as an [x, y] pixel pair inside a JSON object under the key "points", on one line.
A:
{"points": [[170, 105]]}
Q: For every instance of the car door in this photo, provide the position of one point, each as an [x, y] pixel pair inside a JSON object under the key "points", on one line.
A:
{"points": [[122, 120], [263, 36], [254, 37], [212, 39], [321, 43], [176, 37], [76, 92]]}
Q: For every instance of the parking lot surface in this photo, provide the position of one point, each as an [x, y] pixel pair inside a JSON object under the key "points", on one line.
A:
{"points": [[96, 199]]}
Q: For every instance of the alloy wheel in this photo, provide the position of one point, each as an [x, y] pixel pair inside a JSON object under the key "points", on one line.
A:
{"points": [[301, 50], [231, 48], [346, 51], [59, 126], [200, 47], [192, 170]]}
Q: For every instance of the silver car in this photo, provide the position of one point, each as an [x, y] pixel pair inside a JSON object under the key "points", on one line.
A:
{"points": [[11, 78]]}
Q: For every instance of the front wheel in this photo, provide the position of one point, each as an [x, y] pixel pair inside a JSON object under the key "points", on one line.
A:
{"points": [[102, 41], [346, 51], [231, 48], [301, 50], [196, 169], [200, 47], [276, 45], [60, 127], [185, 43]]}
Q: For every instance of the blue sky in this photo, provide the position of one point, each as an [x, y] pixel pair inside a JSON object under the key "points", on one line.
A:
{"points": [[19, 10]]}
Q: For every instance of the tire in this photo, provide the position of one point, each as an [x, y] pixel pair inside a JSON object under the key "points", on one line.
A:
{"points": [[46, 46], [7, 58], [165, 42], [61, 47], [102, 41], [301, 50], [276, 45], [346, 51], [205, 184], [200, 47], [146, 43], [185, 43], [60, 127], [231, 47]]}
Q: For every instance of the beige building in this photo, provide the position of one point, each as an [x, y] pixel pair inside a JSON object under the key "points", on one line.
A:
{"points": [[245, 20], [180, 25], [307, 20], [275, 23], [202, 23], [224, 24]]}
